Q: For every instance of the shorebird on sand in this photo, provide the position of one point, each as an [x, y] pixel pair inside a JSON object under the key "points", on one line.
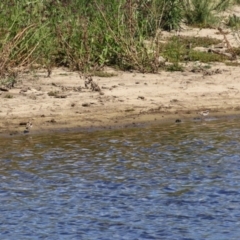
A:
{"points": [[28, 126], [204, 114]]}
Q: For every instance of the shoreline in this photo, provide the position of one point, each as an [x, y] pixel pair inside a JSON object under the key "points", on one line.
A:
{"points": [[15, 127], [63, 103]]}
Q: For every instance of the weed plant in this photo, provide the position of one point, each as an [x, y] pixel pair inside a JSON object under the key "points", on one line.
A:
{"points": [[202, 13], [177, 50], [233, 22], [79, 34], [86, 35]]}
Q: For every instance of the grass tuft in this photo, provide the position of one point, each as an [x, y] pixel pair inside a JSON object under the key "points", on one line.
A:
{"points": [[89, 34]]}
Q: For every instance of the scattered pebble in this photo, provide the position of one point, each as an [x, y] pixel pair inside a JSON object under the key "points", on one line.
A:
{"points": [[53, 120], [13, 133], [60, 96], [4, 89], [86, 104]]}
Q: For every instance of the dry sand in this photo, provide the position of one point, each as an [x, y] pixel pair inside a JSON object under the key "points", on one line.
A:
{"points": [[127, 99]]}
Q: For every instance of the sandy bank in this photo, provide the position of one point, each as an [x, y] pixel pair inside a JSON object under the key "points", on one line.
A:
{"points": [[126, 99]]}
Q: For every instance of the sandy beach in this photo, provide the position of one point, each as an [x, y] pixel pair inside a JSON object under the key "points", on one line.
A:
{"points": [[63, 102]]}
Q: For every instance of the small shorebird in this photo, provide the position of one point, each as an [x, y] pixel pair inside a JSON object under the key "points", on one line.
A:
{"points": [[204, 113], [28, 126]]}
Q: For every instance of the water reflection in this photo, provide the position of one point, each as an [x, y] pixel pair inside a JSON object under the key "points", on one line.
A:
{"points": [[165, 182]]}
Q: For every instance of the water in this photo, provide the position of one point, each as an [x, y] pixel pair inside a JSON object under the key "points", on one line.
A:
{"points": [[163, 182]]}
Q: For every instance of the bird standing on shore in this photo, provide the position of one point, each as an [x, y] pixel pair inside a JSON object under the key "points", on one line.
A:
{"points": [[28, 126], [204, 114]]}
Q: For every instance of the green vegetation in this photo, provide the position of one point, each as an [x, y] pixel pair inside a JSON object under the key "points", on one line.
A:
{"points": [[174, 67], [233, 64], [195, 41], [79, 34], [202, 13], [86, 35], [233, 21], [180, 49]]}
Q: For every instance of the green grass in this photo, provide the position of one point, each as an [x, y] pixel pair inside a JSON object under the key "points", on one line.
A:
{"points": [[177, 50], [206, 57], [202, 13], [233, 22], [174, 67], [195, 41], [233, 64], [85, 35], [79, 34]]}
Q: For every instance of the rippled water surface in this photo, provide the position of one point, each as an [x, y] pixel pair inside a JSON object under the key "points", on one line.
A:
{"points": [[163, 182]]}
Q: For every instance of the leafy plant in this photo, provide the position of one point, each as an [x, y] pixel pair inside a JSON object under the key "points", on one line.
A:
{"points": [[233, 21], [86, 35], [202, 13], [177, 50], [172, 14], [174, 50], [174, 67]]}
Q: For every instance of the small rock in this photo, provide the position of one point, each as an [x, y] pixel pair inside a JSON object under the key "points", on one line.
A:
{"points": [[33, 97], [161, 60], [24, 89], [86, 104], [13, 133], [4, 89]]}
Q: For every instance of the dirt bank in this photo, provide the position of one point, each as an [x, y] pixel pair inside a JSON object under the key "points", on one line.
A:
{"points": [[63, 102]]}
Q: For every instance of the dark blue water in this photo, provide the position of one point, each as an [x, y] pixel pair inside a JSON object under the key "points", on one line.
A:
{"points": [[163, 182]]}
